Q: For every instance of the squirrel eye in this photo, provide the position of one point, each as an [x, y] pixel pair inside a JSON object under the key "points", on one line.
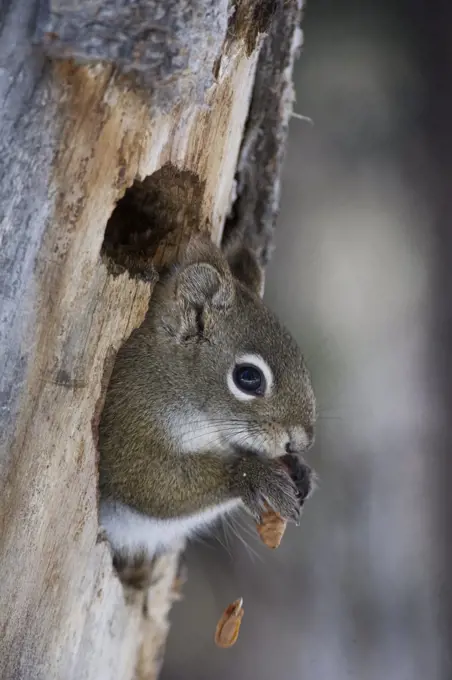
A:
{"points": [[249, 379]]}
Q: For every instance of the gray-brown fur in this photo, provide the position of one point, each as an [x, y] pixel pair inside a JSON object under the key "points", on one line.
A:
{"points": [[200, 318]]}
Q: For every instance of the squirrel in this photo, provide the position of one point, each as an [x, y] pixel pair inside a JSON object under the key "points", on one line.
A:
{"points": [[206, 399]]}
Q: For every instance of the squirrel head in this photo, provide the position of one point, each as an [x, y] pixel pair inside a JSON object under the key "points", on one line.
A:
{"points": [[229, 374]]}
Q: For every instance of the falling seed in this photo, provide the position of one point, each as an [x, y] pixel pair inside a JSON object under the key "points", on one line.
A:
{"points": [[228, 626]]}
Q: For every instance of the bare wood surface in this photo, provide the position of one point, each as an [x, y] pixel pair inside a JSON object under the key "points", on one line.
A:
{"points": [[73, 138], [167, 46]]}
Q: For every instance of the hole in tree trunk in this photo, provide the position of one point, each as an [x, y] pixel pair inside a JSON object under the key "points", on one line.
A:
{"points": [[159, 210]]}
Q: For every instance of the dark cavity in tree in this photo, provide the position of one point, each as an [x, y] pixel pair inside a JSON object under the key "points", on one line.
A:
{"points": [[153, 211]]}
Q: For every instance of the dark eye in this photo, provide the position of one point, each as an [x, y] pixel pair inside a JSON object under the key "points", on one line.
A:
{"points": [[249, 379]]}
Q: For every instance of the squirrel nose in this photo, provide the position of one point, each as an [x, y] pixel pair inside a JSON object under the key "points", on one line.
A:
{"points": [[300, 440], [290, 448]]}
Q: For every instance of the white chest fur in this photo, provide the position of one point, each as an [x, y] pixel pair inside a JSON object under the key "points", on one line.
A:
{"points": [[130, 531]]}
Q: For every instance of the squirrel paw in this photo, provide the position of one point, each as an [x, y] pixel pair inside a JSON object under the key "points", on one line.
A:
{"points": [[134, 571], [304, 478], [258, 480]]}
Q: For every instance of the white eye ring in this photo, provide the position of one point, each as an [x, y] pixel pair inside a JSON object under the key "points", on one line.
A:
{"points": [[252, 360]]}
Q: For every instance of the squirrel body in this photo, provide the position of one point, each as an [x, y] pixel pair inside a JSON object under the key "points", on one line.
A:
{"points": [[205, 399], [131, 532]]}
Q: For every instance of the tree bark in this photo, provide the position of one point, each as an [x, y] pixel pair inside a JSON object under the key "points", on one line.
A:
{"points": [[93, 110]]}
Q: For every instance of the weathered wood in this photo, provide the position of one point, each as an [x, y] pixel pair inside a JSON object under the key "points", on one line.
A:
{"points": [[258, 176], [168, 46], [72, 139]]}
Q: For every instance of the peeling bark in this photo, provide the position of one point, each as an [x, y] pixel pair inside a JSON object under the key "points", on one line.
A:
{"points": [[255, 210]]}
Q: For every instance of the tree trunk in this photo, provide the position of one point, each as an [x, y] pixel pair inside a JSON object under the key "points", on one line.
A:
{"points": [[147, 104]]}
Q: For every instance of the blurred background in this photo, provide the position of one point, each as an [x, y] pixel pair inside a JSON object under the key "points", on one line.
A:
{"points": [[362, 276]]}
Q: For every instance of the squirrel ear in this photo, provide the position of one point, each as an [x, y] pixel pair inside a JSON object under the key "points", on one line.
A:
{"points": [[246, 268], [204, 276]]}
